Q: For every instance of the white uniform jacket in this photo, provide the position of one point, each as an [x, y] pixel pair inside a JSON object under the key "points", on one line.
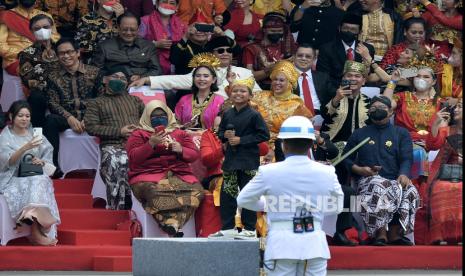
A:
{"points": [[184, 82], [274, 189]]}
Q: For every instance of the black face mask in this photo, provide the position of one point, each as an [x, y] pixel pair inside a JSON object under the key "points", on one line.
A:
{"points": [[275, 37], [348, 37], [377, 114], [27, 3]]}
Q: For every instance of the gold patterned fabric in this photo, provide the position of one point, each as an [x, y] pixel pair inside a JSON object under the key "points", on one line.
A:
{"points": [[353, 66], [66, 13], [275, 110], [378, 30]]}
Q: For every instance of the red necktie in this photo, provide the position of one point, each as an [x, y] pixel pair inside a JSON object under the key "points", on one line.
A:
{"points": [[350, 54], [307, 95]]}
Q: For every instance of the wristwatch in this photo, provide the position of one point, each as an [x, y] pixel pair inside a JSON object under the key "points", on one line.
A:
{"points": [[302, 9]]}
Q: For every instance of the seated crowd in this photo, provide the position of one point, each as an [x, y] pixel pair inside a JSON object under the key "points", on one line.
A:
{"points": [[232, 72]]}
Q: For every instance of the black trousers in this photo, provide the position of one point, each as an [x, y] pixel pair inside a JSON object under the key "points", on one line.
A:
{"points": [[345, 220], [228, 205], [54, 124], [38, 102]]}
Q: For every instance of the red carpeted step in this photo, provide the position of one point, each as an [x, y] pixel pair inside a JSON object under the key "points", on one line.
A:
{"points": [[91, 218], [94, 237], [113, 263], [74, 201], [396, 257], [61, 257], [74, 186]]}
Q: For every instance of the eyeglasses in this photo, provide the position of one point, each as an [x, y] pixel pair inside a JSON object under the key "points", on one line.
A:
{"points": [[222, 50], [128, 30], [35, 29], [64, 53]]}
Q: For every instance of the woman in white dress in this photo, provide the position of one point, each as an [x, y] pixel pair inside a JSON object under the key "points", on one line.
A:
{"points": [[30, 199]]}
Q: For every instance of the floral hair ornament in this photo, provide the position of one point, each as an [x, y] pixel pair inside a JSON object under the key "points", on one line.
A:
{"points": [[425, 58], [204, 59]]}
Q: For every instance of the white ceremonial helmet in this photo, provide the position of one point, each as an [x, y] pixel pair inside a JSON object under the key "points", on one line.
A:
{"points": [[297, 127]]}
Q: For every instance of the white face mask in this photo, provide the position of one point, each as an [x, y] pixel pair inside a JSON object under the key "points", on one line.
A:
{"points": [[43, 34], [166, 9], [108, 9], [420, 84]]}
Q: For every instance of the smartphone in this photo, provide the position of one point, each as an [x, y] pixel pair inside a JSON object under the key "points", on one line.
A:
{"points": [[406, 73], [159, 129], [37, 131], [345, 83], [204, 28]]}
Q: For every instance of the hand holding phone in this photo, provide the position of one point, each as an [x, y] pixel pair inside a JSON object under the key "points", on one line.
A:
{"points": [[37, 134]]}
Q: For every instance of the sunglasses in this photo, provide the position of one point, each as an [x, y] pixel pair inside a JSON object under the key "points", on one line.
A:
{"points": [[222, 50]]}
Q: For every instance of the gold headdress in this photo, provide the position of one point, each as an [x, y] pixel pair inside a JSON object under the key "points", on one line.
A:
{"points": [[249, 82], [287, 68], [425, 59], [205, 59], [353, 66]]}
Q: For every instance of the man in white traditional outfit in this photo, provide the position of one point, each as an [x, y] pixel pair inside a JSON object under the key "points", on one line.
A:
{"points": [[295, 244], [222, 47]]}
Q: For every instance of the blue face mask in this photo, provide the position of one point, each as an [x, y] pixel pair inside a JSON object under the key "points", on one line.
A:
{"points": [[159, 121]]}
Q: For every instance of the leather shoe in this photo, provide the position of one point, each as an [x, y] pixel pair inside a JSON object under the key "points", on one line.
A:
{"points": [[341, 239], [401, 241], [380, 242]]}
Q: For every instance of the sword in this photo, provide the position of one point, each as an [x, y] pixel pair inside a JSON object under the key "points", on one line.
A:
{"points": [[347, 154]]}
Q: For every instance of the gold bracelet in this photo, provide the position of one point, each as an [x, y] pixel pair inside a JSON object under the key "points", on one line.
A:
{"points": [[391, 85]]}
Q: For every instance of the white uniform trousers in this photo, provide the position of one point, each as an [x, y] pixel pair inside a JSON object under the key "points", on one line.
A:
{"points": [[286, 267]]}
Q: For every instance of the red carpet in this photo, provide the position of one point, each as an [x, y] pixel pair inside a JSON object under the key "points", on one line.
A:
{"points": [[88, 240]]}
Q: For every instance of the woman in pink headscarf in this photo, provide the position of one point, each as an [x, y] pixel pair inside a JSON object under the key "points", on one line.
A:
{"points": [[164, 28]]}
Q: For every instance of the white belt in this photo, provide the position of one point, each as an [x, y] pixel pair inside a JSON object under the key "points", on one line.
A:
{"points": [[289, 226]]}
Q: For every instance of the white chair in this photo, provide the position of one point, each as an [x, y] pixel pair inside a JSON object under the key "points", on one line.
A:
{"points": [[370, 91], [7, 225], [12, 90], [80, 152], [150, 228]]}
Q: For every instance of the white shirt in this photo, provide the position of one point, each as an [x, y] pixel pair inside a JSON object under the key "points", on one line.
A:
{"points": [[347, 47], [315, 100], [167, 82], [272, 189]]}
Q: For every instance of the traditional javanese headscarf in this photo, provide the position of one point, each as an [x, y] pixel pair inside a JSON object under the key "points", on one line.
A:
{"points": [[145, 121], [288, 69]]}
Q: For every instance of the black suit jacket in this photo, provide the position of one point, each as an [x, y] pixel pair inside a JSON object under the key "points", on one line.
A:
{"points": [[332, 57], [324, 89]]}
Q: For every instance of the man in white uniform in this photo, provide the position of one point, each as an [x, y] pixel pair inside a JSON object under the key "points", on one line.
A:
{"points": [[279, 188], [222, 48]]}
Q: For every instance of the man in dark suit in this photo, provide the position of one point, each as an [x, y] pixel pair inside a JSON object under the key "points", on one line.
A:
{"points": [[313, 87], [334, 54]]}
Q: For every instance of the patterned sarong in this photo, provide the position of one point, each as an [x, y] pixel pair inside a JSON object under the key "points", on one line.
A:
{"points": [[171, 201], [381, 198]]}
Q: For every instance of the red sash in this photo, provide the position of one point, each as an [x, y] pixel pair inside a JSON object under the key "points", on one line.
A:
{"points": [[17, 23]]}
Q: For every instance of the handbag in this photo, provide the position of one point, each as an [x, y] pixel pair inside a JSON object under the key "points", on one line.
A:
{"points": [[450, 172], [26, 168], [132, 224]]}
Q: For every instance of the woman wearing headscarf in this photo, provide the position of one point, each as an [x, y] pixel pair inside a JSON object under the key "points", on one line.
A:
{"points": [[159, 172], [280, 103]]}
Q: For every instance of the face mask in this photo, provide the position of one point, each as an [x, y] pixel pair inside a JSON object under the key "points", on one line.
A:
{"points": [[159, 121], [275, 37], [378, 114], [420, 84], [166, 9], [27, 3], [116, 86], [108, 9], [348, 37], [43, 34]]}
